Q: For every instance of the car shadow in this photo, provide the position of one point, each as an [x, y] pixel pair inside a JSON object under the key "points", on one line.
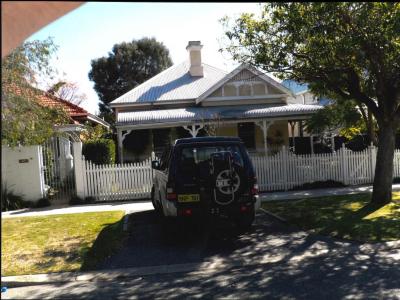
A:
{"points": [[155, 241]]}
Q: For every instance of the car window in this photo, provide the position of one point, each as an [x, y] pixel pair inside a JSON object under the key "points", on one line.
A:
{"points": [[194, 156]]}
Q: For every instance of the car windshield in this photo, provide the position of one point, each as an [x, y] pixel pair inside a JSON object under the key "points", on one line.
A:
{"points": [[193, 157]]}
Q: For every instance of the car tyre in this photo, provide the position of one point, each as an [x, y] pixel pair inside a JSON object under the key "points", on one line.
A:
{"points": [[154, 202]]}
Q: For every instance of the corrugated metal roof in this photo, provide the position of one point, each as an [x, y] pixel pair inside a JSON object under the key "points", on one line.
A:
{"points": [[199, 114], [175, 83]]}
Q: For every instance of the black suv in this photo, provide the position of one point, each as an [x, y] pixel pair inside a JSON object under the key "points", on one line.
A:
{"points": [[206, 176]]}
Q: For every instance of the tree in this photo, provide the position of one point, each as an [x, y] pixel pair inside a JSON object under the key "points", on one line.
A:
{"points": [[337, 118], [125, 67], [351, 50], [68, 91], [24, 120]]}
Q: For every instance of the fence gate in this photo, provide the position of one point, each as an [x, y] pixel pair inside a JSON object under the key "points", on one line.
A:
{"points": [[58, 163]]}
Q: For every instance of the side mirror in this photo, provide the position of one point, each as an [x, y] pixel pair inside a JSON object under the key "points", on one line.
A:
{"points": [[155, 164]]}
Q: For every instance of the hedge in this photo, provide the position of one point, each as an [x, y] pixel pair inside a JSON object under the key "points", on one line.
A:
{"points": [[100, 151]]}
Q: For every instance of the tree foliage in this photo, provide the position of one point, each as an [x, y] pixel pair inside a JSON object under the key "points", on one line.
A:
{"points": [[347, 49], [336, 118], [95, 133], [24, 120], [125, 67]]}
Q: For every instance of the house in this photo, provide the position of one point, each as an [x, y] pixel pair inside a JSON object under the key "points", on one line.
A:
{"points": [[193, 99], [78, 116]]}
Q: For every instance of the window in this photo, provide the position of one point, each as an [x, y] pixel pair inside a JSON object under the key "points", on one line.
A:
{"points": [[246, 132], [196, 160]]}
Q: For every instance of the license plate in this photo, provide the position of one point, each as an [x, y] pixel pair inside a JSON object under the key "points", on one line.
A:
{"points": [[189, 198]]}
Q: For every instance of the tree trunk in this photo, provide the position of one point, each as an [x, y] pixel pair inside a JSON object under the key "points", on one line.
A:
{"points": [[371, 129], [382, 192]]}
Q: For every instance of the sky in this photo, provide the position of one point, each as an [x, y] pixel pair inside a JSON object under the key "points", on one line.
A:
{"points": [[90, 31]]}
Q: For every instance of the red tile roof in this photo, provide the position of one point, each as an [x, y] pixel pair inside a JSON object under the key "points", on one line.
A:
{"points": [[71, 109], [77, 114], [46, 99]]}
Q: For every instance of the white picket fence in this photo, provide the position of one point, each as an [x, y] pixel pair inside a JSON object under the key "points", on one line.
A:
{"points": [[118, 181], [281, 171], [286, 170]]}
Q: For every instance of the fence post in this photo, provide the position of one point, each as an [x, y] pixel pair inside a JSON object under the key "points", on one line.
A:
{"points": [[78, 169], [285, 168], [344, 161]]}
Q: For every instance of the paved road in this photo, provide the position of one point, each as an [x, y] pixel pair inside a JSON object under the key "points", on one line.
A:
{"points": [[273, 261]]}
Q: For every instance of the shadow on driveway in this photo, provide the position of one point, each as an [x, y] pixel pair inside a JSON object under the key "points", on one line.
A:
{"points": [[290, 264]]}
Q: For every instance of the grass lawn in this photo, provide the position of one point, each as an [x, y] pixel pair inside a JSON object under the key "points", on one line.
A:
{"points": [[347, 217], [57, 243]]}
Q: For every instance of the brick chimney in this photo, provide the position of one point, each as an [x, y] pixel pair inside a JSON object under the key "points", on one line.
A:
{"points": [[194, 49]]}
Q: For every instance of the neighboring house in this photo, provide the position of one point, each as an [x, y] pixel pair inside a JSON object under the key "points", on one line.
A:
{"points": [[78, 116], [194, 98], [303, 95]]}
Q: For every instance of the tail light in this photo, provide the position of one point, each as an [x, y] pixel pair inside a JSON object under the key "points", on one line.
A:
{"points": [[244, 208], [171, 195], [254, 188], [187, 212]]}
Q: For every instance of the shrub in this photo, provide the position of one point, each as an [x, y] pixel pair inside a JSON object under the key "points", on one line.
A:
{"points": [[43, 202], [75, 200], [396, 180], [90, 200], [319, 185], [11, 201], [101, 151]]}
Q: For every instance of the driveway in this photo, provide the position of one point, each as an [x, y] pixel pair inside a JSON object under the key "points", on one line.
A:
{"points": [[273, 260]]}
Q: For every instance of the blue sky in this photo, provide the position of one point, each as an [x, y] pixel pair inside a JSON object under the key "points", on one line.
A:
{"points": [[91, 30]]}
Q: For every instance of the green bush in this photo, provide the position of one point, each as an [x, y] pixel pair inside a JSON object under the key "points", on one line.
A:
{"points": [[396, 180], [43, 202], [319, 185], [90, 200], [75, 200], [101, 151], [9, 200]]}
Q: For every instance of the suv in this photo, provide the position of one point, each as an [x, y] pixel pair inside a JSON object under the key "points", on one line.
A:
{"points": [[205, 176]]}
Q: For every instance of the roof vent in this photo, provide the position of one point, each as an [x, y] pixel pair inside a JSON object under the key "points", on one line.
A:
{"points": [[196, 68]]}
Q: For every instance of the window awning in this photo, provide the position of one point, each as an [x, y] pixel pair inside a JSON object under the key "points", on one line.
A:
{"points": [[192, 115]]}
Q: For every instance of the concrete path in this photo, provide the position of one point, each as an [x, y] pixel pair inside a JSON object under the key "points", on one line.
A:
{"points": [[66, 209], [315, 193], [143, 205]]}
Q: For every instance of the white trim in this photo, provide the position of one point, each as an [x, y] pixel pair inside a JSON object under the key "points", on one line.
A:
{"points": [[98, 120], [69, 128], [264, 125], [237, 98], [236, 71], [193, 130], [225, 121]]}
